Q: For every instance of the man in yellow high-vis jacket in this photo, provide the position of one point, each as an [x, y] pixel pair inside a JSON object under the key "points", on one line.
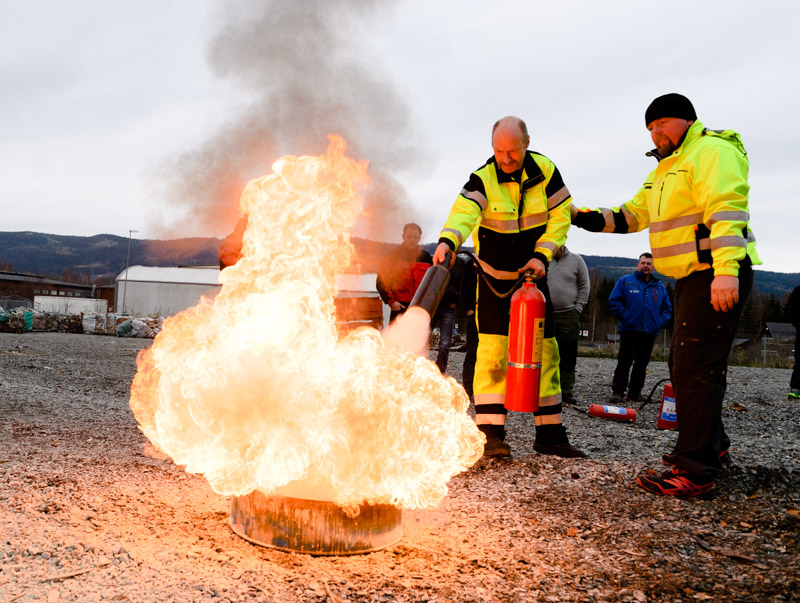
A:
{"points": [[518, 210], [695, 203]]}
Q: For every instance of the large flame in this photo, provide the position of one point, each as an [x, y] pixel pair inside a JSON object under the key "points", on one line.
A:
{"points": [[255, 389]]}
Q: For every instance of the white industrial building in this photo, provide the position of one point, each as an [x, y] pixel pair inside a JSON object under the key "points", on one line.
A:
{"points": [[157, 291]]}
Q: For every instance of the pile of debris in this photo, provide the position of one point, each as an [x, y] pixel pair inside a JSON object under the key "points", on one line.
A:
{"points": [[20, 320]]}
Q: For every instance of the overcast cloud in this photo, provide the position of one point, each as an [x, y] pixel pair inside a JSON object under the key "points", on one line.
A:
{"points": [[151, 115]]}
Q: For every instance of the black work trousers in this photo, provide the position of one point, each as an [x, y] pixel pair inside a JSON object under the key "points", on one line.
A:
{"points": [[635, 348], [794, 381], [468, 373], [698, 367], [568, 325]]}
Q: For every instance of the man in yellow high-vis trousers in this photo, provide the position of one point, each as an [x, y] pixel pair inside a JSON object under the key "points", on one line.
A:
{"points": [[518, 210]]}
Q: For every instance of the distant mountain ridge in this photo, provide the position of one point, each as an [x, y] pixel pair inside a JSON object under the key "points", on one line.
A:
{"points": [[99, 256], [104, 256]]}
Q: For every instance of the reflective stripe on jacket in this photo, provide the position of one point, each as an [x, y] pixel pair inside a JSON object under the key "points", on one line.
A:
{"points": [[696, 205], [640, 305], [514, 220]]}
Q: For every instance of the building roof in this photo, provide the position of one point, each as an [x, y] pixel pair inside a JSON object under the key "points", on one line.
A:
{"points": [[200, 275], [21, 277], [781, 330]]}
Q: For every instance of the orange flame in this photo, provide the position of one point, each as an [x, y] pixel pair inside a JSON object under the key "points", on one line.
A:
{"points": [[255, 390]]}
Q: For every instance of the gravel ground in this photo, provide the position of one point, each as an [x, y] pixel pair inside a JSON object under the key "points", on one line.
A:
{"points": [[89, 511]]}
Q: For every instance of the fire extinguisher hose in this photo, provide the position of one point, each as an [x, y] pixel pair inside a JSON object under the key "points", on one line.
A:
{"points": [[479, 266], [649, 398]]}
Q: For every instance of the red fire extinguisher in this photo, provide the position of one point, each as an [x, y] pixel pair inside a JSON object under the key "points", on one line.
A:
{"points": [[668, 414], [616, 413], [525, 341]]}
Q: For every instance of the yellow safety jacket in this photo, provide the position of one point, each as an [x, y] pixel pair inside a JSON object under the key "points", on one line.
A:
{"points": [[516, 216], [696, 205]]}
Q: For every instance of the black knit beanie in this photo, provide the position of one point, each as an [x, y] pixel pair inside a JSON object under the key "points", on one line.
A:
{"points": [[670, 105]]}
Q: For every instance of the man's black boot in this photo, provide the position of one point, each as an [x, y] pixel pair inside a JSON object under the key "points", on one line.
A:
{"points": [[552, 440], [495, 445]]}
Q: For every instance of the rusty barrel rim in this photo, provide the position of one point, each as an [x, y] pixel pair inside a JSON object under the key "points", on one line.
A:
{"points": [[314, 527]]}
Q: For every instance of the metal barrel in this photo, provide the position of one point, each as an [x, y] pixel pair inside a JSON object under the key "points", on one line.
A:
{"points": [[313, 526]]}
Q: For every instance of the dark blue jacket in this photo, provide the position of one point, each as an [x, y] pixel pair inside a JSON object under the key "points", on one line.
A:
{"points": [[640, 305]]}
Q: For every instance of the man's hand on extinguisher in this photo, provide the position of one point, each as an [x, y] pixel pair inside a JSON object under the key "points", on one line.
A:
{"points": [[535, 266], [441, 253]]}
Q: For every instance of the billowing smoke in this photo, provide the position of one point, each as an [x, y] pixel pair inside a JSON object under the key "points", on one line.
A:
{"points": [[305, 71]]}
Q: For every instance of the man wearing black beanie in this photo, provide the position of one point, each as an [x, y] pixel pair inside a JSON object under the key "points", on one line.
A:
{"points": [[695, 203]]}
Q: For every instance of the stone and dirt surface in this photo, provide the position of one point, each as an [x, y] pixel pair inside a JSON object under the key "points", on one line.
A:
{"points": [[89, 511]]}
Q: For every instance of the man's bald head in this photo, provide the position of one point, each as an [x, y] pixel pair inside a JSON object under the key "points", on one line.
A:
{"points": [[512, 123]]}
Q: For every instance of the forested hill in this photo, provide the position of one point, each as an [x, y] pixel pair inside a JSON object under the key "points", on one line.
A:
{"points": [[102, 257]]}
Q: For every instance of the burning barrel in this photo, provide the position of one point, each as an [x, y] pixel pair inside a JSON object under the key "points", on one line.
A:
{"points": [[265, 386], [313, 526]]}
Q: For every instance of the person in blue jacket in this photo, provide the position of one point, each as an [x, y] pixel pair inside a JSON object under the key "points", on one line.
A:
{"points": [[641, 303]]}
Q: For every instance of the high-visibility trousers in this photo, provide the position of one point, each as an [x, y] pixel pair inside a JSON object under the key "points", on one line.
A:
{"points": [[489, 385]]}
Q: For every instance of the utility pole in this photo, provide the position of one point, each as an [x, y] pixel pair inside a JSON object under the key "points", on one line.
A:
{"points": [[127, 265]]}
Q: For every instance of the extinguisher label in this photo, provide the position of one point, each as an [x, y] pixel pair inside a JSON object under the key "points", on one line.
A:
{"points": [[615, 410], [668, 411], [538, 339]]}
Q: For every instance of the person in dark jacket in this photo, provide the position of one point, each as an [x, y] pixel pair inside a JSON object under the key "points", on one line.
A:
{"points": [[469, 288], [793, 310], [401, 271], [641, 303], [446, 314]]}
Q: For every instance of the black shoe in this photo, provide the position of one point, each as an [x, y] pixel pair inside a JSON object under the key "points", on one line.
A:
{"points": [[564, 450], [568, 399], [677, 482], [496, 448], [615, 399]]}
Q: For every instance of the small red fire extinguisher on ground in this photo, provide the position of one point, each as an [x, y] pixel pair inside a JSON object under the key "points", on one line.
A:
{"points": [[525, 341], [616, 413], [668, 414]]}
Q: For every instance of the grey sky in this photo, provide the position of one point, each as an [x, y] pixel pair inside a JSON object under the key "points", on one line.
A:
{"points": [[148, 115]]}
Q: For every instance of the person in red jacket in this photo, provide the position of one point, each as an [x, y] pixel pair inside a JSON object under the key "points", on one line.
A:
{"points": [[401, 271]]}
